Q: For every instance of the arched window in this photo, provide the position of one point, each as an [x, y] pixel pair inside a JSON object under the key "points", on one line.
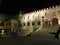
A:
{"points": [[42, 17], [38, 22], [28, 17], [20, 24], [33, 23], [24, 24], [46, 22], [33, 16], [28, 24]]}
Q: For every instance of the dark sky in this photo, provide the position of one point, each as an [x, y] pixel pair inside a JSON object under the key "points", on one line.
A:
{"points": [[14, 6]]}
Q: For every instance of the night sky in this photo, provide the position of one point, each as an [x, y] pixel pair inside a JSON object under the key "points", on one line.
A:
{"points": [[12, 7]]}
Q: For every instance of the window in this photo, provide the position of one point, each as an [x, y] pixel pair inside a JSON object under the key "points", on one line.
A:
{"points": [[43, 17], [46, 22], [33, 16], [33, 23], [28, 17], [20, 24], [38, 23], [45, 13], [19, 21], [28, 23], [53, 14], [24, 24]]}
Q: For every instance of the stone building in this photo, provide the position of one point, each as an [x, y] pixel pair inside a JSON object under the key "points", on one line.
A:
{"points": [[8, 24], [34, 20], [50, 16]]}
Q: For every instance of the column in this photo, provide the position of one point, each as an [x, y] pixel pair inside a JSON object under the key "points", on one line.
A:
{"points": [[51, 22]]}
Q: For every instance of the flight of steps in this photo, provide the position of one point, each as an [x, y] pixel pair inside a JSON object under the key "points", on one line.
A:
{"points": [[45, 31], [34, 29], [27, 30]]}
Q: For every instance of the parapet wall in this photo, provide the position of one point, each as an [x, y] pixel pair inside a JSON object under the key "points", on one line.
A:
{"points": [[48, 14]]}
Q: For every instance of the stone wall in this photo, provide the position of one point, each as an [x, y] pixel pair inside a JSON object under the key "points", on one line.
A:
{"points": [[48, 14]]}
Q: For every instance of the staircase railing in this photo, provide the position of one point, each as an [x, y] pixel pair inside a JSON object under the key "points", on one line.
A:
{"points": [[35, 30]]}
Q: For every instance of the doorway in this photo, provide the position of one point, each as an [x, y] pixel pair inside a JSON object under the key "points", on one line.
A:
{"points": [[54, 21]]}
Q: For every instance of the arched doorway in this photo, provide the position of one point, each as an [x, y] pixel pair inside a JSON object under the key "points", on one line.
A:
{"points": [[54, 21]]}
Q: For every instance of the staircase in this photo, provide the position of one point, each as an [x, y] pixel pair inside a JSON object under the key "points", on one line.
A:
{"points": [[45, 31], [35, 29]]}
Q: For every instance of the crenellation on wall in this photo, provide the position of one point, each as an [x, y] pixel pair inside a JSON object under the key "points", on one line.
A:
{"points": [[44, 9], [41, 10], [47, 9], [53, 7], [56, 6], [48, 13], [59, 5], [37, 11]]}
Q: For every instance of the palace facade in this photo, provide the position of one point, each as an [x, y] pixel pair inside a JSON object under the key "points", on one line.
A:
{"points": [[49, 16]]}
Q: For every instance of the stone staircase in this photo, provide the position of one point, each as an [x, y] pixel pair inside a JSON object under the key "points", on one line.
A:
{"points": [[34, 29], [44, 32], [27, 30]]}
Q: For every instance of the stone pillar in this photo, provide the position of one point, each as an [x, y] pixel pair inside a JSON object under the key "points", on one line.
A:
{"points": [[51, 22], [30, 23], [25, 24], [35, 23], [22, 24]]}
